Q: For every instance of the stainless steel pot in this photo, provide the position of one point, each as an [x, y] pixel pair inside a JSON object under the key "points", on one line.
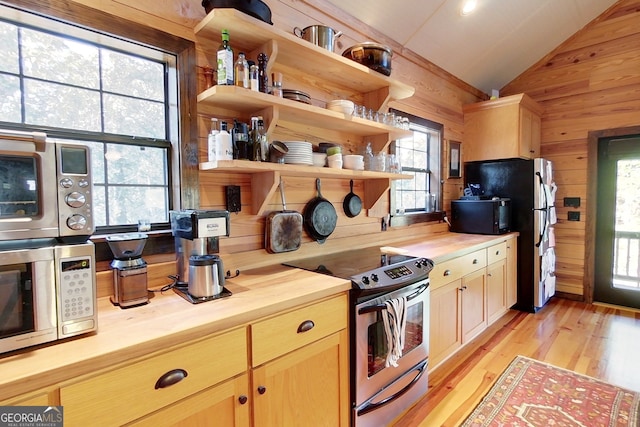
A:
{"points": [[373, 55], [320, 35]]}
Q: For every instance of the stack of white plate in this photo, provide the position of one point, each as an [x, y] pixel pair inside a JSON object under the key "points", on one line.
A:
{"points": [[300, 153]]}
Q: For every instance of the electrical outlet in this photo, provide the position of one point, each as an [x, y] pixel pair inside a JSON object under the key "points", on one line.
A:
{"points": [[573, 215], [572, 202], [233, 198]]}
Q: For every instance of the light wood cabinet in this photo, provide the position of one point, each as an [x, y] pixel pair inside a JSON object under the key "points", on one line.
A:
{"points": [[288, 369], [445, 332], [300, 362], [292, 55], [127, 392], [46, 397], [457, 307], [504, 128], [227, 404], [469, 293], [496, 281], [473, 312], [511, 279], [496, 290]]}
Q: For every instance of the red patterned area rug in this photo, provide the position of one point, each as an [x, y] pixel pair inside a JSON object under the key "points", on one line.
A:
{"points": [[533, 393]]}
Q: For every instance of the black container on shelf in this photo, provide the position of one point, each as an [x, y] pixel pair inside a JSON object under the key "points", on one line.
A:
{"points": [[256, 8]]}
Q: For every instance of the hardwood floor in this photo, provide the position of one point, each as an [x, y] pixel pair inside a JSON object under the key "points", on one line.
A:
{"points": [[602, 342]]}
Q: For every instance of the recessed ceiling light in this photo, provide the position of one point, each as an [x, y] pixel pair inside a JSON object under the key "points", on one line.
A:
{"points": [[468, 6]]}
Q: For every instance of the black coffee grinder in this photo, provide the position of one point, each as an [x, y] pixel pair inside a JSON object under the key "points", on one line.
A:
{"points": [[129, 269]]}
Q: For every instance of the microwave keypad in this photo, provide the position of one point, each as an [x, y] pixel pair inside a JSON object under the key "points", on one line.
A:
{"points": [[76, 294]]}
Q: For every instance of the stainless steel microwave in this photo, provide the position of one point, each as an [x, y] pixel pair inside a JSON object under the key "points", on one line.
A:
{"points": [[491, 216], [45, 188], [47, 292]]}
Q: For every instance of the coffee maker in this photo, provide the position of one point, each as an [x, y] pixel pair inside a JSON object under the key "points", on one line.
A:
{"points": [[129, 269], [201, 273]]}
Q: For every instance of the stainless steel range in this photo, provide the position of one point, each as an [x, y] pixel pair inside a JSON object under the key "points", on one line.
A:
{"points": [[381, 391]]}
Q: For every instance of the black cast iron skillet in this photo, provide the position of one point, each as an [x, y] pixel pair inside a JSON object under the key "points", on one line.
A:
{"points": [[352, 204], [256, 8], [320, 217]]}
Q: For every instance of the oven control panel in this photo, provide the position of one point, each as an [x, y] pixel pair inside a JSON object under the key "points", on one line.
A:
{"points": [[409, 271]]}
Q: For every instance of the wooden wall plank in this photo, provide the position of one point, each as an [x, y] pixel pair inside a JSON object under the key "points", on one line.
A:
{"points": [[591, 83]]}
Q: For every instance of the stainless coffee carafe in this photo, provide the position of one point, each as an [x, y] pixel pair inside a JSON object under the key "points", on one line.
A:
{"points": [[206, 276]]}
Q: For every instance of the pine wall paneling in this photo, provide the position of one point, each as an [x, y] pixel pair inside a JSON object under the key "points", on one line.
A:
{"points": [[591, 83]]}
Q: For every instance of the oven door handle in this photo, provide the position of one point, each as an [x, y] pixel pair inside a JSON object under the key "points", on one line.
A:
{"points": [[369, 407], [380, 307]]}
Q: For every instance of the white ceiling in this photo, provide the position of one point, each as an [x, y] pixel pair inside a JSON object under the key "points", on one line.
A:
{"points": [[486, 49]]}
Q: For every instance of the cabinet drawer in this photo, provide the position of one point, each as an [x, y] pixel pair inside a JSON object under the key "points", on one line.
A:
{"points": [[454, 269], [129, 392], [278, 335], [496, 252]]}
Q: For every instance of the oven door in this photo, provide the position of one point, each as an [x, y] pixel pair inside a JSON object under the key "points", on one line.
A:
{"points": [[378, 388], [27, 298], [28, 195]]}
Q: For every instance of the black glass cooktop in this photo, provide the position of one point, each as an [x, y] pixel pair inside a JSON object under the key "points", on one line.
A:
{"points": [[349, 263]]}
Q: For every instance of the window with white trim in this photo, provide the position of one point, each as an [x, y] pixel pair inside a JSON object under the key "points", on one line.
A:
{"points": [[420, 156], [116, 96]]}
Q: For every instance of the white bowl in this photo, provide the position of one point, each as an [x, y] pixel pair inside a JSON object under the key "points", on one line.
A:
{"points": [[342, 106], [335, 161], [319, 159], [353, 161]]}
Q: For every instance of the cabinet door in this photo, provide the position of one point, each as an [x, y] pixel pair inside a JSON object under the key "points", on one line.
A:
{"points": [[226, 403], [36, 398], [444, 322], [512, 272], [529, 147], [474, 318], [496, 301], [309, 386]]}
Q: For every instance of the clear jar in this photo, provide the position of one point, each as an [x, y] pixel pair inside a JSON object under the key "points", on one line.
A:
{"points": [[380, 162], [253, 78]]}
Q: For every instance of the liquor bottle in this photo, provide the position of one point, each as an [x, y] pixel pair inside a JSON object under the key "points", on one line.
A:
{"points": [[241, 71], [225, 61], [211, 141], [254, 140], [240, 138]]}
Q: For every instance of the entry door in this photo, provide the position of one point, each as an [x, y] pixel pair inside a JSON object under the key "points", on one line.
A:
{"points": [[617, 261]]}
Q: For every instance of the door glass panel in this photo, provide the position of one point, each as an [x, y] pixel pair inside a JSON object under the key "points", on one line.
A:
{"points": [[377, 341], [18, 187], [16, 300], [626, 251]]}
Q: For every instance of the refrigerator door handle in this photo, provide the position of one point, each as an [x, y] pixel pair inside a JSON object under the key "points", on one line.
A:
{"points": [[545, 209]]}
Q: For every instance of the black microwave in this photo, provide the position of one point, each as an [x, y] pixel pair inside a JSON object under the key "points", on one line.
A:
{"points": [[481, 216]]}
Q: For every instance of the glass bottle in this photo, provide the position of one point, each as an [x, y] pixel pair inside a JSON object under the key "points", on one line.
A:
{"points": [[253, 77], [263, 141], [211, 141], [241, 71], [240, 139], [263, 78], [276, 84], [225, 60], [254, 140]]}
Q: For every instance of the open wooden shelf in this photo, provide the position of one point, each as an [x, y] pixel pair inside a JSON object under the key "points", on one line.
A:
{"points": [[246, 101], [250, 34], [265, 178]]}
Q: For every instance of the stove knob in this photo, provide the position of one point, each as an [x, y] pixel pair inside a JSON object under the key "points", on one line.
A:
{"points": [[365, 280], [374, 277]]}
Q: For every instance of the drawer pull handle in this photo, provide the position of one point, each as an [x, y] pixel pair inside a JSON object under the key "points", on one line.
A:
{"points": [[463, 288], [262, 389], [170, 378], [447, 273], [475, 261], [243, 399], [497, 252], [305, 326]]}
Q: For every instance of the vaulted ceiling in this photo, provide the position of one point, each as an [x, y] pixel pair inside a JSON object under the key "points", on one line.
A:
{"points": [[488, 48]]}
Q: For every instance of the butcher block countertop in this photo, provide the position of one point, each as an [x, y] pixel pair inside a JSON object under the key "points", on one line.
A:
{"points": [[169, 320]]}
